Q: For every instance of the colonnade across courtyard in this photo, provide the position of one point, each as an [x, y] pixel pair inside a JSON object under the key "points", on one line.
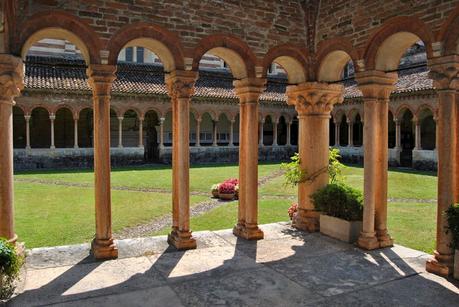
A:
{"points": [[314, 90]]}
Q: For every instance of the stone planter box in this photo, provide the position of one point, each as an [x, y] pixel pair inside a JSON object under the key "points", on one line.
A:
{"points": [[456, 264], [226, 196], [340, 229]]}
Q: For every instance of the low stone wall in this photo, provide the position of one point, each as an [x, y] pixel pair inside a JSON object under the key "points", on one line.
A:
{"points": [[39, 158], [425, 159], [353, 155]]}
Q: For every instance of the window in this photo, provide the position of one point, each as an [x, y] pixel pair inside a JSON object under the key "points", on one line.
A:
{"points": [[140, 53], [129, 54]]}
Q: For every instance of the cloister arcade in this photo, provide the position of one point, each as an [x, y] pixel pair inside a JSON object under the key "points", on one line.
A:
{"points": [[314, 89]]}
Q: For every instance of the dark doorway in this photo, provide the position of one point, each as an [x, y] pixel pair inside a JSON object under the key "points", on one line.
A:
{"points": [[151, 143], [407, 139]]}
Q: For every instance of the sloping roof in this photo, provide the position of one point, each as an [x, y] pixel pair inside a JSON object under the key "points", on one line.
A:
{"points": [[70, 75]]}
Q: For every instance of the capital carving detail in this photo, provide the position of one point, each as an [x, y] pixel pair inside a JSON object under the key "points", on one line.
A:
{"points": [[376, 84], [180, 83], [444, 72], [315, 98], [100, 78], [11, 77], [249, 89]]}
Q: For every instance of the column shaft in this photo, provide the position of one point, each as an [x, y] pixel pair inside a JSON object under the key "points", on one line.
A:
{"points": [[398, 143], [101, 78], [27, 120], [52, 117], [231, 140], [289, 129], [275, 134], [161, 132], [198, 133], [140, 132], [75, 133], [417, 137], [337, 124], [120, 132], [215, 133], [350, 135], [260, 141]]}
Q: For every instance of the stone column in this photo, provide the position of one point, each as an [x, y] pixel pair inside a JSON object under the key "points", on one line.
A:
{"points": [[52, 117], [198, 132], [181, 88], [101, 78], [337, 124], [140, 131], [289, 133], [275, 132], [376, 87], [248, 90], [417, 134], [231, 140], [214, 133], [27, 120], [444, 72], [11, 84], [120, 131], [75, 133], [313, 101], [398, 137], [161, 132], [260, 141], [350, 133]]}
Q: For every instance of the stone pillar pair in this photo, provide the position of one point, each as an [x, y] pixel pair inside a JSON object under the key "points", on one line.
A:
{"points": [[248, 90], [376, 87], [444, 72], [11, 84], [313, 101], [180, 86]]}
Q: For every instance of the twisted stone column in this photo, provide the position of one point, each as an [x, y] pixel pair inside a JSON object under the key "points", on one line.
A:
{"points": [[376, 87], [313, 101], [180, 86], [444, 72], [101, 78], [11, 84], [249, 91]]}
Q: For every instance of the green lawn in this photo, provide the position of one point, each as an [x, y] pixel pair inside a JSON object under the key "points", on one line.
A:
{"points": [[49, 214]]}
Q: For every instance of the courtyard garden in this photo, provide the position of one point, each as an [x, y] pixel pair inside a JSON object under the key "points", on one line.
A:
{"points": [[57, 207]]}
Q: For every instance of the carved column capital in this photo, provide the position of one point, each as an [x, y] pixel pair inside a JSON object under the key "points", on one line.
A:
{"points": [[11, 77], [249, 89], [444, 72], [100, 78], [314, 98], [180, 83], [376, 84]]}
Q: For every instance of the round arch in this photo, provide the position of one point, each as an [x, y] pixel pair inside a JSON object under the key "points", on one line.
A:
{"points": [[388, 44], [59, 25], [449, 33], [232, 50], [165, 44], [332, 57], [292, 59]]}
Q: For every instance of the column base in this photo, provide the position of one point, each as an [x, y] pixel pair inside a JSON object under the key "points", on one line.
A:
{"points": [[440, 265], [13, 239], [368, 241], [384, 239], [181, 240], [307, 220], [104, 249], [247, 232]]}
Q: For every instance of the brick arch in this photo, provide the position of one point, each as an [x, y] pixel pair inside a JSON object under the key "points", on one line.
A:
{"points": [[423, 107], [43, 106], [158, 112], [63, 106], [293, 60], [59, 24], [449, 33], [212, 114], [389, 42], [136, 110], [332, 56], [232, 50], [165, 44]]}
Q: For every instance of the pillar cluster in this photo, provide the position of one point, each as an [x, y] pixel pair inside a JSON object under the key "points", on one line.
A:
{"points": [[314, 102]]}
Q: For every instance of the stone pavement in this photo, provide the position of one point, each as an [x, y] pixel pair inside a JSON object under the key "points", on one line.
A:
{"points": [[287, 268]]}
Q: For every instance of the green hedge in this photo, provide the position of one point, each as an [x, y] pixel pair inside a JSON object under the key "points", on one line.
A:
{"points": [[10, 264]]}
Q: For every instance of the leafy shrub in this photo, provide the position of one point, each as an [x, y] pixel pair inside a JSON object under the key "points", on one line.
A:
{"points": [[294, 174], [340, 201], [452, 215], [292, 210], [10, 264], [226, 188]]}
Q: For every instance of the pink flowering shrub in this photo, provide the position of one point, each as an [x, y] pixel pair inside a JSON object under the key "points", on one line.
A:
{"points": [[233, 181], [226, 188], [292, 210]]}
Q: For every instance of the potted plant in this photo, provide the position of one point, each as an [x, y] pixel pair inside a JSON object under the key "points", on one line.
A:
{"points": [[226, 191], [10, 264], [452, 215], [341, 210], [214, 190]]}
